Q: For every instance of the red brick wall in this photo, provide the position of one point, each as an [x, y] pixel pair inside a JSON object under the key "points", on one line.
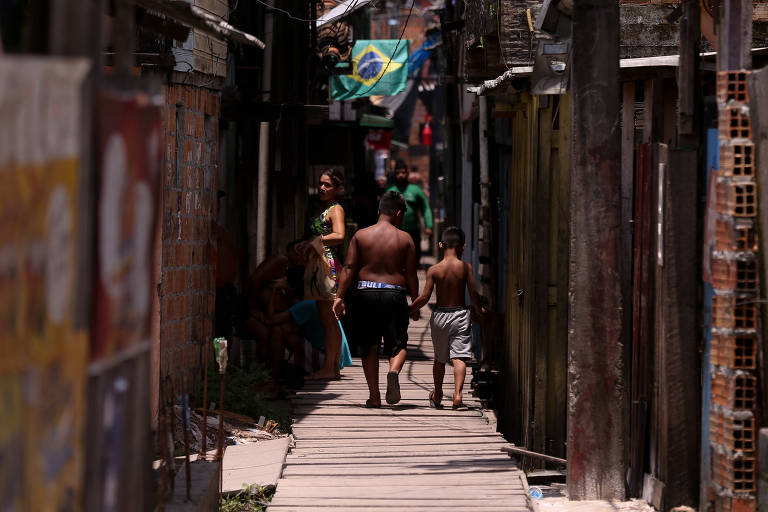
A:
{"points": [[187, 284]]}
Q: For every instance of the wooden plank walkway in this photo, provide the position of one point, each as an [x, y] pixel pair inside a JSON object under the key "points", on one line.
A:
{"points": [[403, 457]]}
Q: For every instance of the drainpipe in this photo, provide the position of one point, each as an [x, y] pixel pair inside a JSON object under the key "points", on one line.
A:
{"points": [[263, 170], [484, 234]]}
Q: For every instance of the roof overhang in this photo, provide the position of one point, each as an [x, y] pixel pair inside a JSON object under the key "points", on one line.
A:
{"points": [[198, 18], [343, 9], [663, 62]]}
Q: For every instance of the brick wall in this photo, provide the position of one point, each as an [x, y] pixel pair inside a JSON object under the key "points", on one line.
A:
{"points": [[187, 284], [735, 338]]}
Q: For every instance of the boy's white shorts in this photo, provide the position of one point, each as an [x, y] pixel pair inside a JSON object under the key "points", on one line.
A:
{"points": [[451, 333]]}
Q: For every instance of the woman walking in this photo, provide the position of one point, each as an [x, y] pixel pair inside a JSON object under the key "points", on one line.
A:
{"points": [[329, 225]]}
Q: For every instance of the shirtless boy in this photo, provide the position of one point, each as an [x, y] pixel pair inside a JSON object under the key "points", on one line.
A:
{"points": [[383, 261], [450, 322]]}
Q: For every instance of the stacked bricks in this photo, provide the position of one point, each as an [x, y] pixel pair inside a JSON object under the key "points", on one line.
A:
{"points": [[188, 281], [735, 337]]}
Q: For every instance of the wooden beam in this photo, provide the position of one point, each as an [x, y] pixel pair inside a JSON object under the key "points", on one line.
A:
{"points": [[677, 338], [688, 73], [653, 111], [596, 407], [735, 31], [758, 95], [627, 219], [514, 450]]}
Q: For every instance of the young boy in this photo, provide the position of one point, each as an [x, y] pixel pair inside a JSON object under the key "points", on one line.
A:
{"points": [[450, 323]]}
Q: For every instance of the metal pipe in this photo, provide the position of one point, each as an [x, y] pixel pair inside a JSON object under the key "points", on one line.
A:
{"points": [[263, 170], [262, 198]]}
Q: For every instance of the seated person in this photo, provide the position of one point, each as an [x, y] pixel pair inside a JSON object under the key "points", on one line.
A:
{"points": [[267, 291], [305, 316]]}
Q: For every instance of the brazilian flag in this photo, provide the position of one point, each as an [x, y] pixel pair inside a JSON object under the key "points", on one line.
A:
{"points": [[379, 68]]}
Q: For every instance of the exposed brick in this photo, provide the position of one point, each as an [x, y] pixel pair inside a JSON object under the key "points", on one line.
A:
{"points": [[732, 86], [731, 504], [747, 279], [188, 151], [734, 472], [201, 94], [731, 433], [170, 119], [724, 235], [737, 160], [738, 392], [733, 122], [738, 352], [199, 126], [736, 199], [723, 274], [170, 95], [190, 97], [182, 255], [189, 123], [746, 236]]}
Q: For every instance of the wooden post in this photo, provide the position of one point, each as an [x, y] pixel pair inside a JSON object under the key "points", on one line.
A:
{"points": [[676, 337], [735, 33], [688, 75], [758, 94], [596, 403]]}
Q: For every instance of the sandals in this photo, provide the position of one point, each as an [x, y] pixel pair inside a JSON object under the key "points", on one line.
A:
{"points": [[434, 404], [393, 388], [459, 407]]}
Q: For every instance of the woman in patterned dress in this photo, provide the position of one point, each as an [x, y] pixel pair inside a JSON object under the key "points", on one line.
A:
{"points": [[329, 225]]}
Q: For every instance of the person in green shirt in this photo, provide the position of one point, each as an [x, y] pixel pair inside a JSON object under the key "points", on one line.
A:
{"points": [[417, 205]]}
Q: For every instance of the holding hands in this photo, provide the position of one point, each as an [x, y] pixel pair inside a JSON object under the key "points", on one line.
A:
{"points": [[339, 308]]}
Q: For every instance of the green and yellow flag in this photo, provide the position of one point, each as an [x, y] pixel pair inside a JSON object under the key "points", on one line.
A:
{"points": [[373, 73]]}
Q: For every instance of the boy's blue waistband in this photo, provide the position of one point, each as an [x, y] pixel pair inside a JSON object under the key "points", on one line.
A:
{"points": [[363, 285]]}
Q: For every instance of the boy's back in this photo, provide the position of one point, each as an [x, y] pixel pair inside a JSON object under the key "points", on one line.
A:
{"points": [[450, 278], [450, 322], [382, 252]]}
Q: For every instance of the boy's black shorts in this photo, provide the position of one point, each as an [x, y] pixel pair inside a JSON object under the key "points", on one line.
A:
{"points": [[374, 314]]}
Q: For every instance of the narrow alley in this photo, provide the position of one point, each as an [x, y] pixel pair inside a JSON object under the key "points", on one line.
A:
{"points": [[405, 457], [214, 214]]}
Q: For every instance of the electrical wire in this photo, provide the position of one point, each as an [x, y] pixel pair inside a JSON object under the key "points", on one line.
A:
{"points": [[295, 18], [402, 33], [283, 11]]}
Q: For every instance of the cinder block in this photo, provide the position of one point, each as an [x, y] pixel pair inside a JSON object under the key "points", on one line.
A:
{"points": [[729, 312], [731, 433], [738, 392], [730, 504], [745, 235], [738, 199], [733, 122], [734, 472], [732, 86], [735, 236], [737, 160], [723, 275], [725, 236], [747, 277]]}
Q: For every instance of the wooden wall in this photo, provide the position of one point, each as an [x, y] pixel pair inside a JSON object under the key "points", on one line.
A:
{"points": [[202, 52], [534, 354]]}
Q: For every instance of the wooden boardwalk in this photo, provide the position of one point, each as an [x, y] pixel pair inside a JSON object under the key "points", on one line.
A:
{"points": [[403, 457]]}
